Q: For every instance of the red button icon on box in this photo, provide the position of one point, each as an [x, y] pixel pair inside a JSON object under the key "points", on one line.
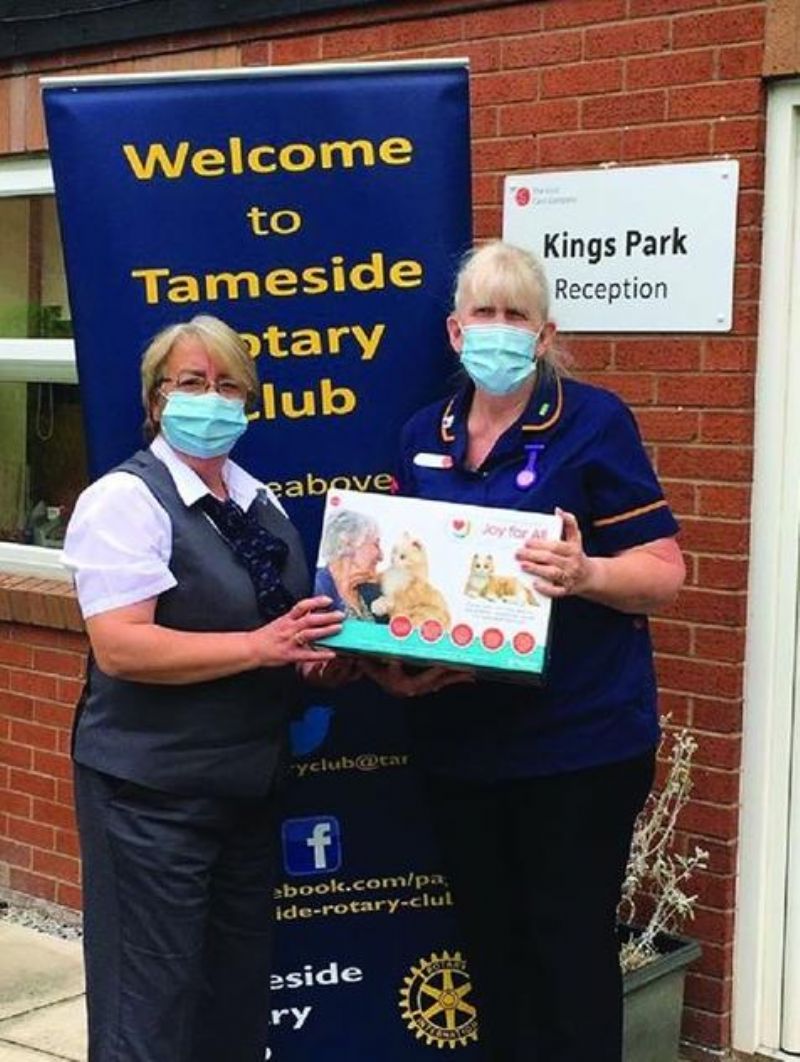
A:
{"points": [[431, 630], [462, 634], [524, 643], [400, 627], [492, 638]]}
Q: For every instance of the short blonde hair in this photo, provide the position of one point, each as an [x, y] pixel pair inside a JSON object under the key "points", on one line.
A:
{"points": [[222, 343], [501, 272]]}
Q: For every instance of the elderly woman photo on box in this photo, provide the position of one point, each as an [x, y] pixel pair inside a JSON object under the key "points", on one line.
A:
{"points": [[351, 547], [534, 791], [193, 586]]}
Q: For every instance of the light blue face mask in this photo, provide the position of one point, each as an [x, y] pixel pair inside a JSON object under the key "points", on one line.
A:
{"points": [[498, 358], [203, 425]]}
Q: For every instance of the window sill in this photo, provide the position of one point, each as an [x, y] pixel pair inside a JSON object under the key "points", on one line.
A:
{"points": [[38, 360], [37, 561]]}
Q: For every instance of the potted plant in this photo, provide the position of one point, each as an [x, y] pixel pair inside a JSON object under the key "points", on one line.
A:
{"points": [[653, 958]]}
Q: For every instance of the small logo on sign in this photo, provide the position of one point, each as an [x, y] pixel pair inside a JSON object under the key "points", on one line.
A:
{"points": [[435, 1001], [312, 846], [522, 196]]}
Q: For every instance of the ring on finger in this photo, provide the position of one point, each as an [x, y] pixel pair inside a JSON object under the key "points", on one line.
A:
{"points": [[300, 639]]}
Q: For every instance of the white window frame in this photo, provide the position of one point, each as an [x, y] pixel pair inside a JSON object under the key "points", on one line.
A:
{"points": [[771, 656], [33, 361]]}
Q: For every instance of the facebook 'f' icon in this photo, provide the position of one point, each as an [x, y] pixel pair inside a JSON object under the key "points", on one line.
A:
{"points": [[312, 846]]}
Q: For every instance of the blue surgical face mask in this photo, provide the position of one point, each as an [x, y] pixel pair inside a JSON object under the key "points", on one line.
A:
{"points": [[498, 358], [203, 425]]}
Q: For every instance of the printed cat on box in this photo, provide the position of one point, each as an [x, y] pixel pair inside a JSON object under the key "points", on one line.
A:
{"points": [[406, 589], [483, 581]]}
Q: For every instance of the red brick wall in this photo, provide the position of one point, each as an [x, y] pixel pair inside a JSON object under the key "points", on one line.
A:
{"points": [[40, 678], [555, 84]]}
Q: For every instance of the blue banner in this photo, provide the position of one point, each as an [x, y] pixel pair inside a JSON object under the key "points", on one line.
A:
{"points": [[321, 213]]}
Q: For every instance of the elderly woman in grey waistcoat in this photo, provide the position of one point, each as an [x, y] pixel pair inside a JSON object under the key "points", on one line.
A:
{"points": [[193, 586]]}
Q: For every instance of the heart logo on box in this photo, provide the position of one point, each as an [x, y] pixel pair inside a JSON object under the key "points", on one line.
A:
{"points": [[459, 527]]}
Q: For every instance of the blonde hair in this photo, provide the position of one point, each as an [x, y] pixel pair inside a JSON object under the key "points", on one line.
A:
{"points": [[501, 272], [220, 341]]}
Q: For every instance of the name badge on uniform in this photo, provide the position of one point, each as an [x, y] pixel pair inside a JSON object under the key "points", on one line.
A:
{"points": [[424, 460]]}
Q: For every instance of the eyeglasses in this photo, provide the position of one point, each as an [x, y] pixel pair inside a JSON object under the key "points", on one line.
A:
{"points": [[189, 383]]}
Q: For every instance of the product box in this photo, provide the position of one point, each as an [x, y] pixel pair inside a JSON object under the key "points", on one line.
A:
{"points": [[435, 582]]}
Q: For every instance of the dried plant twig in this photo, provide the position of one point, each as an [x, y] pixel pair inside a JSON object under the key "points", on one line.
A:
{"points": [[654, 868]]}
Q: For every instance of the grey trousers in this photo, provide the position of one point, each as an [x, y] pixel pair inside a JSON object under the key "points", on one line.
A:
{"points": [[177, 922]]}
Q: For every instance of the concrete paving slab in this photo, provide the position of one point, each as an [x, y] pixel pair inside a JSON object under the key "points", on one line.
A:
{"points": [[36, 970], [58, 1030], [13, 1053]]}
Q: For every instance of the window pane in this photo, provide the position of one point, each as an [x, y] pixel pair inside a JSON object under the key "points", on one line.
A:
{"points": [[42, 461], [42, 452], [33, 290]]}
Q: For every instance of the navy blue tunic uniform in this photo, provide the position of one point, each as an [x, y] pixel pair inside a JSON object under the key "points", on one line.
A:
{"points": [[598, 704]]}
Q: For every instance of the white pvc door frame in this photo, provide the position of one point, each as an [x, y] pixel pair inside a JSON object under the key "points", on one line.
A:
{"points": [[771, 720]]}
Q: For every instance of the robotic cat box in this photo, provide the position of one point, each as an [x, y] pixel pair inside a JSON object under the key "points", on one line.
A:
{"points": [[435, 582]]}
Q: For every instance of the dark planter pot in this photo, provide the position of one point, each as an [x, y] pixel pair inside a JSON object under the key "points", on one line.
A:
{"points": [[653, 1001]]}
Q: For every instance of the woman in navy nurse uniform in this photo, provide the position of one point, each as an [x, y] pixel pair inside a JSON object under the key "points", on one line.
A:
{"points": [[193, 585], [534, 791]]}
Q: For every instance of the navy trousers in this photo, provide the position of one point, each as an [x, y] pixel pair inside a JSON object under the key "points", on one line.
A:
{"points": [[177, 922], [536, 867]]}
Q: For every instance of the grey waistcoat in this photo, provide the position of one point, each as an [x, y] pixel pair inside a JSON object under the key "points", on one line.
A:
{"points": [[224, 737]]}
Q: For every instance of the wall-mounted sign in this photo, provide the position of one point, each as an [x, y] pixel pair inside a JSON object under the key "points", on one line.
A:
{"points": [[641, 249]]}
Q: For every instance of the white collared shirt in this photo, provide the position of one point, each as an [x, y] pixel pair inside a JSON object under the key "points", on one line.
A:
{"points": [[119, 540]]}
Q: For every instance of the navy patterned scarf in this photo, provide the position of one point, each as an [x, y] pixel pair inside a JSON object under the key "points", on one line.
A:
{"points": [[258, 550]]}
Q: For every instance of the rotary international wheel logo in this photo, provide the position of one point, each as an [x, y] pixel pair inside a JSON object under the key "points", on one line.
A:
{"points": [[434, 1001]]}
